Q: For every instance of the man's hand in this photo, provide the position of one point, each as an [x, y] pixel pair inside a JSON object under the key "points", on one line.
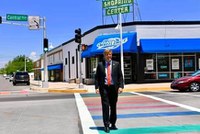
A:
{"points": [[97, 91], [120, 90]]}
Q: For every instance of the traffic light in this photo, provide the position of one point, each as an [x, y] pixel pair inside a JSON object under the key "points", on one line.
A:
{"points": [[78, 35], [0, 19], [84, 47], [46, 45]]}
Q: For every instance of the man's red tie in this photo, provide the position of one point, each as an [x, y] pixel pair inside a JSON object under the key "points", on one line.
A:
{"points": [[108, 74]]}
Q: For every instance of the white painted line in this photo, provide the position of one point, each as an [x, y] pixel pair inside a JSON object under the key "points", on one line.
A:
{"points": [[86, 119], [188, 94], [169, 102]]}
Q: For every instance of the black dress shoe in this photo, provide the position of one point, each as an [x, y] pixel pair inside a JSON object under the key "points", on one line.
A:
{"points": [[106, 129], [113, 127]]}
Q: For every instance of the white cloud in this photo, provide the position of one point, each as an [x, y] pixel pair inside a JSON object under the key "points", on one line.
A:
{"points": [[51, 46], [33, 56]]}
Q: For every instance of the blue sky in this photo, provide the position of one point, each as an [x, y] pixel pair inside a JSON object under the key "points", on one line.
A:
{"points": [[63, 17]]}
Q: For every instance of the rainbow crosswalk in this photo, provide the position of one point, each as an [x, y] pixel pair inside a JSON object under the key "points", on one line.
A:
{"points": [[144, 115]]}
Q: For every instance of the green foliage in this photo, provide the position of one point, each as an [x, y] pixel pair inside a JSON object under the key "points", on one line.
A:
{"points": [[18, 64]]}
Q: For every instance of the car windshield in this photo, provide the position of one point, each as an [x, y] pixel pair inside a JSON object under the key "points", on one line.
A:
{"points": [[196, 73], [21, 73]]}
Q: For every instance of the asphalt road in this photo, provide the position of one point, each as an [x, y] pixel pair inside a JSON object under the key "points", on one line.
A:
{"points": [[5, 85], [27, 112]]}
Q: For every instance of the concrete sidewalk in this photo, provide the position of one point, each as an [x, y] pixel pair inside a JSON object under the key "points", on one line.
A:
{"points": [[65, 87]]}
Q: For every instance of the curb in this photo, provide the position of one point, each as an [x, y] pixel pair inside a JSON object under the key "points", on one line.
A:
{"points": [[147, 89], [67, 91], [5, 93], [59, 90], [76, 90]]}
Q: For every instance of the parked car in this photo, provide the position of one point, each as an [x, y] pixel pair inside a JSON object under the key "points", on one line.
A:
{"points": [[21, 77], [11, 78], [7, 77], [191, 83]]}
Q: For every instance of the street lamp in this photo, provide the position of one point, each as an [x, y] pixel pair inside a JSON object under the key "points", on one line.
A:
{"points": [[25, 61]]}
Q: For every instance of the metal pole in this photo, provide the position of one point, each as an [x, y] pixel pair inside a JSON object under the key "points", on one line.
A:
{"points": [[80, 79], [121, 44], [45, 82], [24, 63]]}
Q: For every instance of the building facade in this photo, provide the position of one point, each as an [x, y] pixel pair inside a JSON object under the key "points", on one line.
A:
{"points": [[154, 51]]}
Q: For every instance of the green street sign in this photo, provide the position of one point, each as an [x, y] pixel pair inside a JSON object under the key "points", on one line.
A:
{"points": [[16, 17]]}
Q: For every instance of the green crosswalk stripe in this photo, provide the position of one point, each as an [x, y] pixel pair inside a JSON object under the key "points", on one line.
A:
{"points": [[156, 130]]}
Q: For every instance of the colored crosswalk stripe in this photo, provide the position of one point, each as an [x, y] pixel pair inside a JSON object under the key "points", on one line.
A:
{"points": [[159, 114], [156, 130]]}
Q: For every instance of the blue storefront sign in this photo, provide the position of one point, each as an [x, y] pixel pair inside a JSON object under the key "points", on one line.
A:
{"points": [[112, 42], [170, 45]]}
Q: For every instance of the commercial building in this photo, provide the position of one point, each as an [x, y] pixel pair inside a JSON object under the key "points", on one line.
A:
{"points": [[154, 51]]}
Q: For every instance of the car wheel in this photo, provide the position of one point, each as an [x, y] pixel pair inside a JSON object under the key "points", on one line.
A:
{"points": [[14, 83], [194, 87]]}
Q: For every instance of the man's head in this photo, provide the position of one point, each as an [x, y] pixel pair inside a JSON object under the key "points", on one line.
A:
{"points": [[108, 55]]}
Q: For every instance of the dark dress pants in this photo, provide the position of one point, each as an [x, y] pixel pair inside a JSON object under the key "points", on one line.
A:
{"points": [[109, 96]]}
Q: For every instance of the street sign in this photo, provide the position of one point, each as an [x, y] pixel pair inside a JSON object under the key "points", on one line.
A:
{"points": [[16, 17], [34, 22]]}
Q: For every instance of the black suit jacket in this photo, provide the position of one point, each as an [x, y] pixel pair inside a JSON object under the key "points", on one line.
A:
{"points": [[117, 77]]}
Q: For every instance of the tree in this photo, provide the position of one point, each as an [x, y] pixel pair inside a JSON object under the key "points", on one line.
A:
{"points": [[18, 64]]}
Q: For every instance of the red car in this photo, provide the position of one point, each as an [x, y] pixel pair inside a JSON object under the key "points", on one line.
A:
{"points": [[191, 83]]}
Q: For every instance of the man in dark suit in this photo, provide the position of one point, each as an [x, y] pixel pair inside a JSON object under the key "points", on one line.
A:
{"points": [[109, 82]]}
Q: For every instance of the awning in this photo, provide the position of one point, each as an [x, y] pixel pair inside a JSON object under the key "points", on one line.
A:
{"points": [[87, 53], [184, 45], [55, 67], [112, 42]]}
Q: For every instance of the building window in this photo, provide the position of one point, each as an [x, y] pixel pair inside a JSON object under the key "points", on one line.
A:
{"points": [[189, 64], [65, 61], [163, 66], [73, 60], [150, 66], [169, 66]]}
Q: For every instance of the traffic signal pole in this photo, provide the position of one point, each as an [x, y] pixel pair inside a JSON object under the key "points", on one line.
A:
{"points": [[45, 83], [78, 37], [81, 79], [33, 24]]}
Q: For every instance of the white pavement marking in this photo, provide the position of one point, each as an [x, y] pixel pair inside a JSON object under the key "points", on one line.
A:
{"points": [[190, 94], [86, 119], [169, 102]]}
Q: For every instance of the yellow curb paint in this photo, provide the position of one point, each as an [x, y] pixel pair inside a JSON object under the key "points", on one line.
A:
{"points": [[71, 90], [146, 89]]}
